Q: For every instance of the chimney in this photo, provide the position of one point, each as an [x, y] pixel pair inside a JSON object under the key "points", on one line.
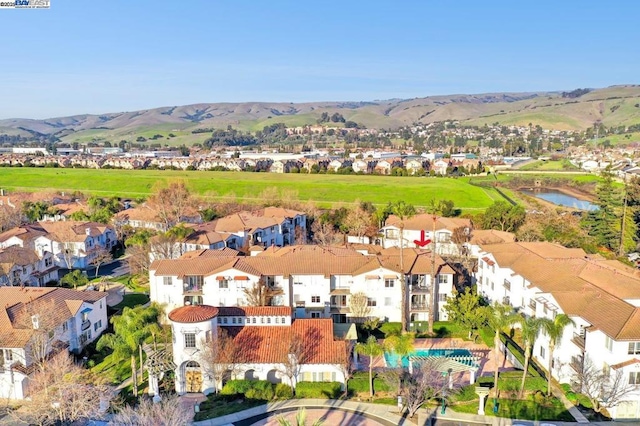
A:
{"points": [[87, 231]]}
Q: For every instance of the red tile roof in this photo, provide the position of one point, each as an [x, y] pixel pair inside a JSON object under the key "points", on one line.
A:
{"points": [[251, 311], [270, 344], [192, 314]]}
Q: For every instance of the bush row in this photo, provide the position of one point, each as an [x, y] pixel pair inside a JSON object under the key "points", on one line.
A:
{"points": [[265, 390]]}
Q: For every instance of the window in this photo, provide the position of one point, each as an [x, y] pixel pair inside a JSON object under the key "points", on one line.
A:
{"points": [[532, 305], [225, 320], [233, 320], [223, 283], [507, 284], [48, 262], [207, 336], [389, 282], [297, 283], [542, 352], [392, 234], [268, 320], [608, 343], [189, 340], [606, 369], [167, 280], [443, 279], [85, 316], [442, 297], [194, 281], [8, 355], [97, 325], [371, 301], [634, 378], [634, 348], [277, 320], [315, 314], [253, 320], [65, 326], [315, 299]]}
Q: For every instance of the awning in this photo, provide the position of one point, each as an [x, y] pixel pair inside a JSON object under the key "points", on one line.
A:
{"points": [[86, 310], [390, 277], [241, 278], [339, 291], [220, 278]]}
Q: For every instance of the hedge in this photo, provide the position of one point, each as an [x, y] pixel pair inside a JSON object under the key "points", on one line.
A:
{"points": [[284, 391], [251, 389], [330, 390]]}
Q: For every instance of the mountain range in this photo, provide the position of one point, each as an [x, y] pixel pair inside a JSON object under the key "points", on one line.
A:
{"points": [[568, 110]]}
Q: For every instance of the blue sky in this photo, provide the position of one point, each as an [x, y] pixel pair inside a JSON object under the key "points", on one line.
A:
{"points": [[106, 56]]}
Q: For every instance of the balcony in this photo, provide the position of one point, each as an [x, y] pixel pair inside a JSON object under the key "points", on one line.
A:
{"points": [[419, 307], [192, 290], [579, 340], [577, 364], [419, 289], [86, 324]]}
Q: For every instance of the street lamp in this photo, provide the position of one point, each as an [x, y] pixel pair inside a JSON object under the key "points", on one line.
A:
{"points": [[446, 375]]}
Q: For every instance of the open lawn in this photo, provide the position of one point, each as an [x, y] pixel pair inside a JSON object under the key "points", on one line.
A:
{"points": [[322, 189]]}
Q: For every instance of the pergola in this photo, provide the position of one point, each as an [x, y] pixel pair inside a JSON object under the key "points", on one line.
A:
{"points": [[159, 361], [448, 364]]}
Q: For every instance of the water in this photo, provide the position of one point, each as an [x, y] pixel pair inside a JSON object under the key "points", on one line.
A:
{"points": [[392, 359], [561, 199]]}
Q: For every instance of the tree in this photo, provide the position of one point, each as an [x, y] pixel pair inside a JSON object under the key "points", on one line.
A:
{"points": [[171, 202], [292, 361], [500, 317], [503, 216], [324, 233], [426, 383], [63, 394], [260, 293], [605, 389], [555, 330], [10, 217], [131, 329], [220, 356], [529, 329], [100, 255], [34, 211], [74, 279], [359, 222], [68, 253], [403, 211], [359, 306], [604, 223], [301, 420], [401, 344], [169, 411], [372, 349], [467, 310]]}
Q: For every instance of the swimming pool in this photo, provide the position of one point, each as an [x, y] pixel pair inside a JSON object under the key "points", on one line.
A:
{"points": [[463, 356]]}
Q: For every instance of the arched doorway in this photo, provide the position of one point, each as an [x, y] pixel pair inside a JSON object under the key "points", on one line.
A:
{"points": [[273, 377], [193, 377], [250, 375]]}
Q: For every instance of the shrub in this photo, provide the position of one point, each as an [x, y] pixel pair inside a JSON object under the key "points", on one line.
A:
{"points": [[318, 389], [391, 328], [283, 391], [251, 389]]}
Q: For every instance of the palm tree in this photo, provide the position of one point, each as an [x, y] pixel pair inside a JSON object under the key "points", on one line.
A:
{"points": [[529, 329], [500, 317], [403, 211], [555, 330], [400, 344], [370, 348], [130, 331], [301, 420]]}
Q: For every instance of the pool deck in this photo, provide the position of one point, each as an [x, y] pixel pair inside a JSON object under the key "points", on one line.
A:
{"points": [[486, 356]]}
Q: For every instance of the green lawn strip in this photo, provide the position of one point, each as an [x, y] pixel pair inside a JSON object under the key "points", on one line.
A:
{"points": [[519, 409], [221, 405], [132, 300], [359, 383]]}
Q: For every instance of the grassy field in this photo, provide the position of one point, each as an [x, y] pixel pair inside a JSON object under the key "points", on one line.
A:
{"points": [[323, 189], [558, 165]]}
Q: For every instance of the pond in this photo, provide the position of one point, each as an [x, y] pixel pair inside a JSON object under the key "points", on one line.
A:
{"points": [[560, 199]]}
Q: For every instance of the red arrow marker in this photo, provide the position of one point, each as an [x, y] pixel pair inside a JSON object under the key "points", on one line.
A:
{"points": [[421, 242]]}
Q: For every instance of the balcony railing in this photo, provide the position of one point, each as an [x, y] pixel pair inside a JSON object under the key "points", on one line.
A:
{"points": [[192, 289], [579, 340], [85, 325], [419, 307], [419, 289]]}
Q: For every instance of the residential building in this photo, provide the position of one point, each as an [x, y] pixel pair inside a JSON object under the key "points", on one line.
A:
{"points": [[38, 323], [269, 339], [317, 281], [601, 297], [21, 266], [415, 227]]}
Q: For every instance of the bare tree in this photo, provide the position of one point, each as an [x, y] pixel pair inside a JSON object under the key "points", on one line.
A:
{"points": [[424, 384], [219, 357], [64, 393], [100, 255], [346, 362], [359, 306], [9, 218], [260, 293], [168, 412], [605, 389], [163, 246], [324, 234], [68, 253], [138, 259], [358, 222], [291, 363], [171, 202]]}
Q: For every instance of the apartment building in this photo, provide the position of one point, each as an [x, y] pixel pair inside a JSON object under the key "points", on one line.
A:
{"points": [[316, 281], [602, 297]]}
